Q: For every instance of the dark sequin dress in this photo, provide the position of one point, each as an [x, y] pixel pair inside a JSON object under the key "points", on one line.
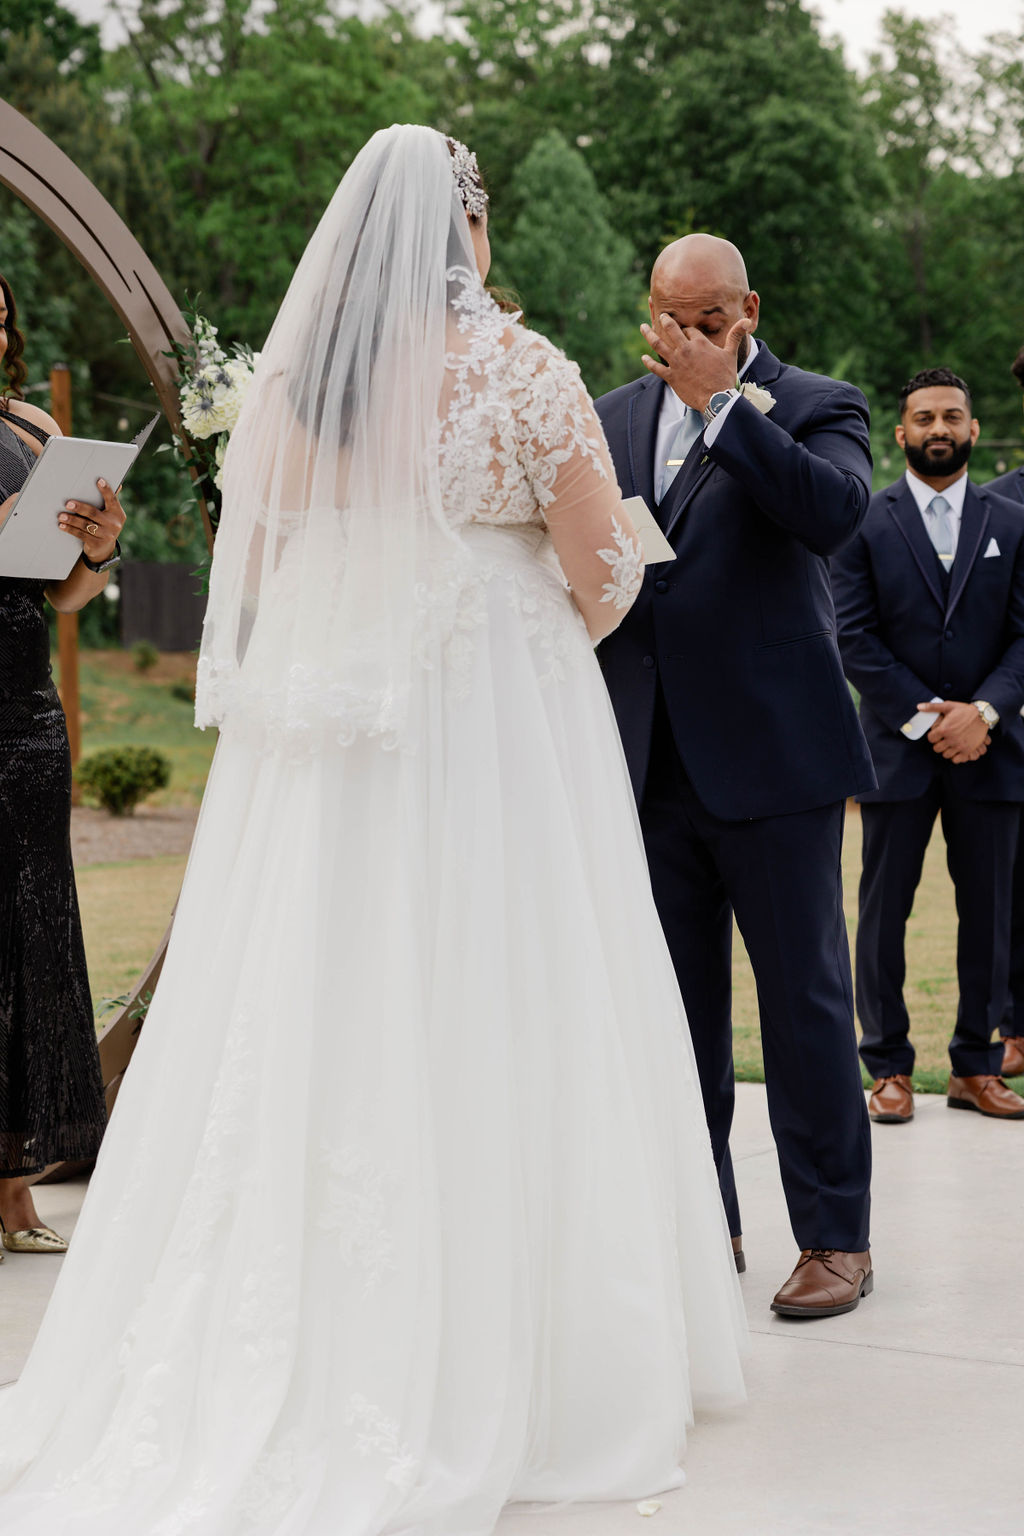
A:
{"points": [[51, 1093]]}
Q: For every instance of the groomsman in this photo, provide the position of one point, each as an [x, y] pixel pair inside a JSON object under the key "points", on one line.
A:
{"points": [[740, 735], [1012, 485], [930, 603]]}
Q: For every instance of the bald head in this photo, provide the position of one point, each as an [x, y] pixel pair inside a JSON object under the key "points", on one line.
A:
{"points": [[701, 260], [701, 281]]}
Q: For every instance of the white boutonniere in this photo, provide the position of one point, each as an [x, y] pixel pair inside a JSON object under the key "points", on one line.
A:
{"points": [[758, 397]]}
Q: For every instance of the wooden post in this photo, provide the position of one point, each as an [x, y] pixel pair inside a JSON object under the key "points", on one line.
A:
{"points": [[67, 623]]}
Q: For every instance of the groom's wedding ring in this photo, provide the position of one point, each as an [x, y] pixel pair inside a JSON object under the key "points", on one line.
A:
{"points": [[92, 528]]}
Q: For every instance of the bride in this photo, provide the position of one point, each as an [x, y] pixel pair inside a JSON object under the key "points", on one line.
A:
{"points": [[407, 1208]]}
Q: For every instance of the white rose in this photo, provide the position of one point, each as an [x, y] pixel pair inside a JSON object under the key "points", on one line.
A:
{"points": [[758, 397]]}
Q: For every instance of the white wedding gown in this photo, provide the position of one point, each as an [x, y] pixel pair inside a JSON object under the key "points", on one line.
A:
{"points": [[407, 1208]]}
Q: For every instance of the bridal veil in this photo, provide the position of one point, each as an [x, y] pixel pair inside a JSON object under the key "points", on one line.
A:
{"points": [[332, 501]]}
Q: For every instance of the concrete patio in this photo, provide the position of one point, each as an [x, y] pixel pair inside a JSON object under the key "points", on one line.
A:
{"points": [[903, 1418]]}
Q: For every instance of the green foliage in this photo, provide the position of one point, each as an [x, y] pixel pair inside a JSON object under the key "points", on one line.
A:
{"points": [[140, 1004], [254, 116], [122, 776], [43, 315], [74, 44], [121, 707], [144, 655], [950, 229], [882, 218], [585, 307]]}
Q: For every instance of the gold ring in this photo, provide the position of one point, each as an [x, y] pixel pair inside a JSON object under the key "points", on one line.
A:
{"points": [[92, 528]]}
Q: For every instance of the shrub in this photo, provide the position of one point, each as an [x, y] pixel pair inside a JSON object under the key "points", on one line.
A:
{"points": [[144, 655], [184, 691], [122, 776]]}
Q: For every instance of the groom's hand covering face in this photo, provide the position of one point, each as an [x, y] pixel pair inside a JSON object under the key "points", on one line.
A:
{"points": [[702, 312]]}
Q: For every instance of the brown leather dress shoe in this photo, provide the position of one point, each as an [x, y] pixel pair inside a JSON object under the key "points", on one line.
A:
{"points": [[1013, 1055], [892, 1100], [738, 1255], [988, 1095], [825, 1283]]}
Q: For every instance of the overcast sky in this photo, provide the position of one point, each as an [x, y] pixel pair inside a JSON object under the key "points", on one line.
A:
{"points": [[854, 21]]}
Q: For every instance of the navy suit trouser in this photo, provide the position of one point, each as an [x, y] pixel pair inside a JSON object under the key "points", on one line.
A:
{"points": [[781, 876], [981, 841]]}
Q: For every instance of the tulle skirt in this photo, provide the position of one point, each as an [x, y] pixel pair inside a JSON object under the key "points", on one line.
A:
{"points": [[407, 1207]]}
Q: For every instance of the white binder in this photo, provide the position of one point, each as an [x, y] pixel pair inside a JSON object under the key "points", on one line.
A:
{"points": [[32, 544]]}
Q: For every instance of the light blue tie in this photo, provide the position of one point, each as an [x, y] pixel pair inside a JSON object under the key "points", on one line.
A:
{"points": [[940, 528], [686, 434]]}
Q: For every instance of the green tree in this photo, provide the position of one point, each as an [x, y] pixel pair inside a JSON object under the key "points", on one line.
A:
{"points": [[73, 43], [255, 116], [734, 118], [43, 315], [950, 232], [918, 108], [571, 268]]}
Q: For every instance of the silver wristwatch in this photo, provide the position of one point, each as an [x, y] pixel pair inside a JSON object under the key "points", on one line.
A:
{"points": [[719, 400], [987, 713]]}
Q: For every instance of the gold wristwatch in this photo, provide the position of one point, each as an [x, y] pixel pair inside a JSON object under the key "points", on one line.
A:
{"points": [[987, 713]]}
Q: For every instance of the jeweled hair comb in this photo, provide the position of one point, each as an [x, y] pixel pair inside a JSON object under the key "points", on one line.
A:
{"points": [[467, 179]]}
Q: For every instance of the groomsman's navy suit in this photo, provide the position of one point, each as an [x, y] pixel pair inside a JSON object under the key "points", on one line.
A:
{"points": [[909, 632], [742, 744], [1010, 485]]}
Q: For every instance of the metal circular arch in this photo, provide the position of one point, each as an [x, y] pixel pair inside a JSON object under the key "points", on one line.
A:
{"points": [[49, 183]]}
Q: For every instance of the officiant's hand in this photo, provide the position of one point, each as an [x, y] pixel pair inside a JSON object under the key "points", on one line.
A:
{"points": [[694, 368], [97, 527]]}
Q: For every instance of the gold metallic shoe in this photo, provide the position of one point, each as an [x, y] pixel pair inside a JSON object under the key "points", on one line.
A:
{"points": [[33, 1240]]}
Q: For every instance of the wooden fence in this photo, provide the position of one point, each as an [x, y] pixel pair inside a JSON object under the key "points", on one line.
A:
{"points": [[161, 603]]}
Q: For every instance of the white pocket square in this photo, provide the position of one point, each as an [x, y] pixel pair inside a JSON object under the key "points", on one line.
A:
{"points": [[993, 549]]}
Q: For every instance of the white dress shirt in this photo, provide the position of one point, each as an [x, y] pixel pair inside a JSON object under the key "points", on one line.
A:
{"points": [[924, 495], [672, 412], [920, 724]]}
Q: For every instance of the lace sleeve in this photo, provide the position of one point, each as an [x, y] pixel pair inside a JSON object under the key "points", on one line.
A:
{"points": [[564, 455]]}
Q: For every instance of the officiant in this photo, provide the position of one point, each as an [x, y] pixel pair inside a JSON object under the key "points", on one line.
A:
{"points": [[740, 734], [51, 1093]]}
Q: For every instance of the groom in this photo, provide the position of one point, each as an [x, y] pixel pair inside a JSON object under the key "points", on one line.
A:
{"points": [[741, 737]]}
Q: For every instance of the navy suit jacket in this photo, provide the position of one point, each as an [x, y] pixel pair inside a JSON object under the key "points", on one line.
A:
{"points": [[740, 629], [1010, 485], [905, 641]]}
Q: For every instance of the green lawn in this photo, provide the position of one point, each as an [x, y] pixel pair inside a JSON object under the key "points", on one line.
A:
{"points": [[125, 909], [124, 707], [931, 989]]}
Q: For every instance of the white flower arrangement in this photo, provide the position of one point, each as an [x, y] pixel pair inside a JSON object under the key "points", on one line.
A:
{"points": [[212, 388]]}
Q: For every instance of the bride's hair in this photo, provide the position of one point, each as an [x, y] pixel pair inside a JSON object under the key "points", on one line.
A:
{"points": [[472, 190]]}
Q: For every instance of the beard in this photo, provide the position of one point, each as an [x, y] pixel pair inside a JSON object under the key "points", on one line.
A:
{"points": [[742, 351], [924, 462]]}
